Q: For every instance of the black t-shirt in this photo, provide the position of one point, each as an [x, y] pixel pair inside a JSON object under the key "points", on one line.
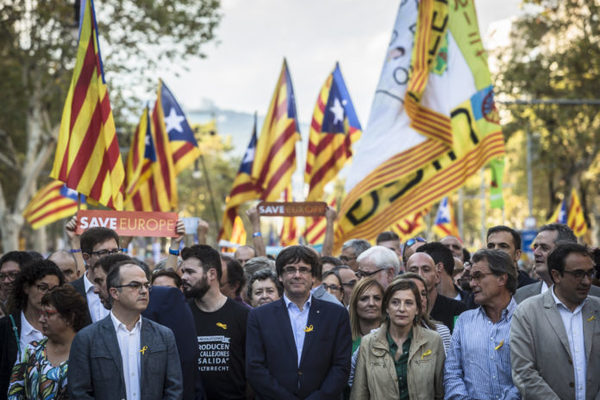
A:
{"points": [[222, 346], [446, 309]]}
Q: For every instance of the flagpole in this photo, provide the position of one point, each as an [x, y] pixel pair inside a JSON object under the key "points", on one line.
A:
{"points": [[482, 197]]}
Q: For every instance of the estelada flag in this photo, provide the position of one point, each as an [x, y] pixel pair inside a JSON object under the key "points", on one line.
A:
{"points": [[445, 224], [333, 130], [560, 214], [433, 121], [87, 156], [52, 202]]}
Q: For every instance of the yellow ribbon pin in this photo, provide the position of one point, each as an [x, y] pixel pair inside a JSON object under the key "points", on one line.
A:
{"points": [[590, 319], [143, 350], [426, 353], [222, 325], [309, 328], [499, 345]]}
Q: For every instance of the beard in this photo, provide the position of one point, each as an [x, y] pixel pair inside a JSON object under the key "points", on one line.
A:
{"points": [[198, 290]]}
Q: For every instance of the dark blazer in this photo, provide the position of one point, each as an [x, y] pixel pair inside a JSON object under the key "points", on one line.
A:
{"points": [[271, 356], [96, 368], [167, 306], [79, 285], [8, 350]]}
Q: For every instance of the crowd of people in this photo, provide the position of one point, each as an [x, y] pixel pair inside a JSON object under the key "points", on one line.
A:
{"points": [[412, 320]]}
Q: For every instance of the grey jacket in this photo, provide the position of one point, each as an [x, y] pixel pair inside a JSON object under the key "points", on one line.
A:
{"points": [[542, 366], [534, 289], [96, 367]]}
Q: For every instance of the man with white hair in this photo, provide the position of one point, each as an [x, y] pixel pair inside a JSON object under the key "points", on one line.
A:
{"points": [[380, 263]]}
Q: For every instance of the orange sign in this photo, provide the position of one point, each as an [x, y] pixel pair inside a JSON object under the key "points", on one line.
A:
{"points": [[292, 209], [129, 223]]}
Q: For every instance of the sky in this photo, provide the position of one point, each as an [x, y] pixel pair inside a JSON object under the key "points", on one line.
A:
{"points": [[243, 64]]}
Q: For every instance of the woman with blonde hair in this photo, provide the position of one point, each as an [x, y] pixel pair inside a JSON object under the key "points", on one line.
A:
{"points": [[401, 359], [365, 309]]}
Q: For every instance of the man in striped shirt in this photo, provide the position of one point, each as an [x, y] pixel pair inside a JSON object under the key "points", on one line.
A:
{"points": [[478, 365]]}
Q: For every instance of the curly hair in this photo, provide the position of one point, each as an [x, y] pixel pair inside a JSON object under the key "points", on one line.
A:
{"points": [[31, 273]]}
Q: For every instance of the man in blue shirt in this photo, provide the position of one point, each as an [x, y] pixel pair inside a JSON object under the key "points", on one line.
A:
{"points": [[478, 361], [298, 347]]}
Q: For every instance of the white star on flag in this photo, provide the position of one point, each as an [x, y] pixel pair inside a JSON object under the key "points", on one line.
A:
{"points": [[337, 110], [173, 121], [248, 156]]}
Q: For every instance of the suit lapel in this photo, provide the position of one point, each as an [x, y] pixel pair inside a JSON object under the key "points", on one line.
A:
{"points": [[146, 343], [590, 315], [284, 317], [312, 327], [111, 344], [552, 314]]}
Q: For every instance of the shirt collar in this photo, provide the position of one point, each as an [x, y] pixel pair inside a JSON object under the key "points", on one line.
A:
{"points": [[559, 302], [89, 286], [121, 326], [506, 313], [26, 327], [288, 302]]}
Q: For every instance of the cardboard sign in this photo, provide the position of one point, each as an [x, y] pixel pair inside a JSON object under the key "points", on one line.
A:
{"points": [[292, 209], [129, 223]]}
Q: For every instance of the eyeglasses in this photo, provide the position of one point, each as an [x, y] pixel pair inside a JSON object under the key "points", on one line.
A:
{"points": [[580, 273], [335, 288], [350, 284], [11, 275], [44, 288], [105, 252], [293, 270], [478, 276], [365, 274], [135, 285]]}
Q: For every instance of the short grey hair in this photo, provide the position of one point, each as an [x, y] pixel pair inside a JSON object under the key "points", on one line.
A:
{"points": [[382, 257], [359, 245], [258, 263], [499, 263]]}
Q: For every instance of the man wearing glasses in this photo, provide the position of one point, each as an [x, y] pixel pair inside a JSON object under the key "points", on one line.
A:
{"points": [[299, 346], [143, 352], [555, 336], [95, 243], [380, 263]]}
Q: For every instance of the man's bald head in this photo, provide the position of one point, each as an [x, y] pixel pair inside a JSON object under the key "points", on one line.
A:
{"points": [[421, 263], [244, 253], [67, 263]]}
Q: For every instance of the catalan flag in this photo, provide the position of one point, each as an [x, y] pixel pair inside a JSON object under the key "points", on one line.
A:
{"points": [[243, 189], [560, 214], [238, 234], [575, 216], [445, 224], [51, 203], [150, 171], [410, 226], [87, 155], [184, 147], [276, 147], [433, 121], [289, 230], [333, 129]]}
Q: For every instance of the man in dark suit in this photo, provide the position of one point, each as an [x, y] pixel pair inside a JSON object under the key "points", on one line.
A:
{"points": [[125, 355], [298, 347]]}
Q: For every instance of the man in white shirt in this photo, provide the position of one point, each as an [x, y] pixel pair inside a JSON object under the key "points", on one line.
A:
{"points": [[555, 337], [95, 244], [125, 356]]}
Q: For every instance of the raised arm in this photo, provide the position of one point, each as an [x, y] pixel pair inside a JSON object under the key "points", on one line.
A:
{"points": [[174, 248], [330, 217], [75, 244], [259, 244]]}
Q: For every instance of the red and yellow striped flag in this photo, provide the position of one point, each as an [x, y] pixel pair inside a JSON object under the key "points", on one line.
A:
{"points": [[51, 203], [575, 216], [333, 130], [410, 226], [314, 233], [87, 155], [275, 159]]}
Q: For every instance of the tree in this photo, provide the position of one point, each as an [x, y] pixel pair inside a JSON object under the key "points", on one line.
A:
{"points": [[554, 53], [37, 49]]}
